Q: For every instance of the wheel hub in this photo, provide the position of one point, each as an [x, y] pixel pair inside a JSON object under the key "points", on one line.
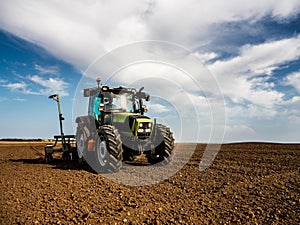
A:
{"points": [[102, 152], [80, 147]]}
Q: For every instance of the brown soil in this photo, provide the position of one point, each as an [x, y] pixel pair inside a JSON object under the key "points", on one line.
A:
{"points": [[248, 183]]}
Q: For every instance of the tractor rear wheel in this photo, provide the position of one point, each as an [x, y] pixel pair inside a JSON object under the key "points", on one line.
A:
{"points": [[164, 145], [109, 152], [81, 141], [85, 131]]}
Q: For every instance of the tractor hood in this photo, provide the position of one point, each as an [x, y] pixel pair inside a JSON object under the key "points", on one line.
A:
{"points": [[122, 117], [133, 124]]}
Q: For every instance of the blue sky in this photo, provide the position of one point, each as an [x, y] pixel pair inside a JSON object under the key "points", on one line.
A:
{"points": [[251, 49], [29, 74]]}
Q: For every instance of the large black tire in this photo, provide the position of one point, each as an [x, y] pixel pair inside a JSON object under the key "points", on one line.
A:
{"points": [[86, 129], [82, 145], [109, 152], [164, 146]]}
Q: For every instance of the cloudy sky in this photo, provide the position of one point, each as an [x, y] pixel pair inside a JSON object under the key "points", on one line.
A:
{"points": [[247, 83]]}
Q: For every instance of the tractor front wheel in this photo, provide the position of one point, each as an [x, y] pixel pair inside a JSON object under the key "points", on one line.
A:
{"points": [[109, 152], [163, 146]]}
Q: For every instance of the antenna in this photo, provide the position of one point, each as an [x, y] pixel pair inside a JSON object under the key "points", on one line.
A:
{"points": [[98, 79]]}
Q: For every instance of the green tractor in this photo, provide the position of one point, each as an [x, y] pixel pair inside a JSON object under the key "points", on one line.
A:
{"points": [[116, 130]]}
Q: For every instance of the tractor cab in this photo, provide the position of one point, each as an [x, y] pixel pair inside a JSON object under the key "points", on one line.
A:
{"points": [[120, 107]]}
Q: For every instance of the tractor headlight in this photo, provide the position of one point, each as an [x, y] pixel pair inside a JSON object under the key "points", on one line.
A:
{"points": [[144, 129]]}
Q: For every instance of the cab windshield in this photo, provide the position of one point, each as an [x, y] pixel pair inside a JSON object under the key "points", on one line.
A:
{"points": [[119, 103]]}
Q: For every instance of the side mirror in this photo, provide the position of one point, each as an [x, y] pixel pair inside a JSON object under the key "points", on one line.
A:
{"points": [[147, 97], [144, 109]]}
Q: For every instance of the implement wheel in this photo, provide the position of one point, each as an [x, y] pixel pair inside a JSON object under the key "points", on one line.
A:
{"points": [[48, 158]]}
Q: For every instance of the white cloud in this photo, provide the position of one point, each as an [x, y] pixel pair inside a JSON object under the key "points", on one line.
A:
{"points": [[16, 86], [20, 87], [205, 57], [78, 31], [185, 20], [240, 132], [290, 107], [20, 99], [45, 86], [238, 76], [47, 70], [285, 9], [51, 85], [74, 31], [245, 79], [292, 101], [158, 108], [260, 59], [249, 112], [294, 80]]}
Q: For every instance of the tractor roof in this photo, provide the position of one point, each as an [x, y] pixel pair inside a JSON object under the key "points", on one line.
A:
{"points": [[115, 90]]}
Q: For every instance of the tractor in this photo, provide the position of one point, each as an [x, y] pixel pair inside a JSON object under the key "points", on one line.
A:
{"points": [[116, 130]]}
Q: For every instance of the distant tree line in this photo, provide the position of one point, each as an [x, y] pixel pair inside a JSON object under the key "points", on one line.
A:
{"points": [[21, 139]]}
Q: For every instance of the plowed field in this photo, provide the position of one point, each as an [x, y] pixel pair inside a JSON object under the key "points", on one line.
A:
{"points": [[248, 183]]}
